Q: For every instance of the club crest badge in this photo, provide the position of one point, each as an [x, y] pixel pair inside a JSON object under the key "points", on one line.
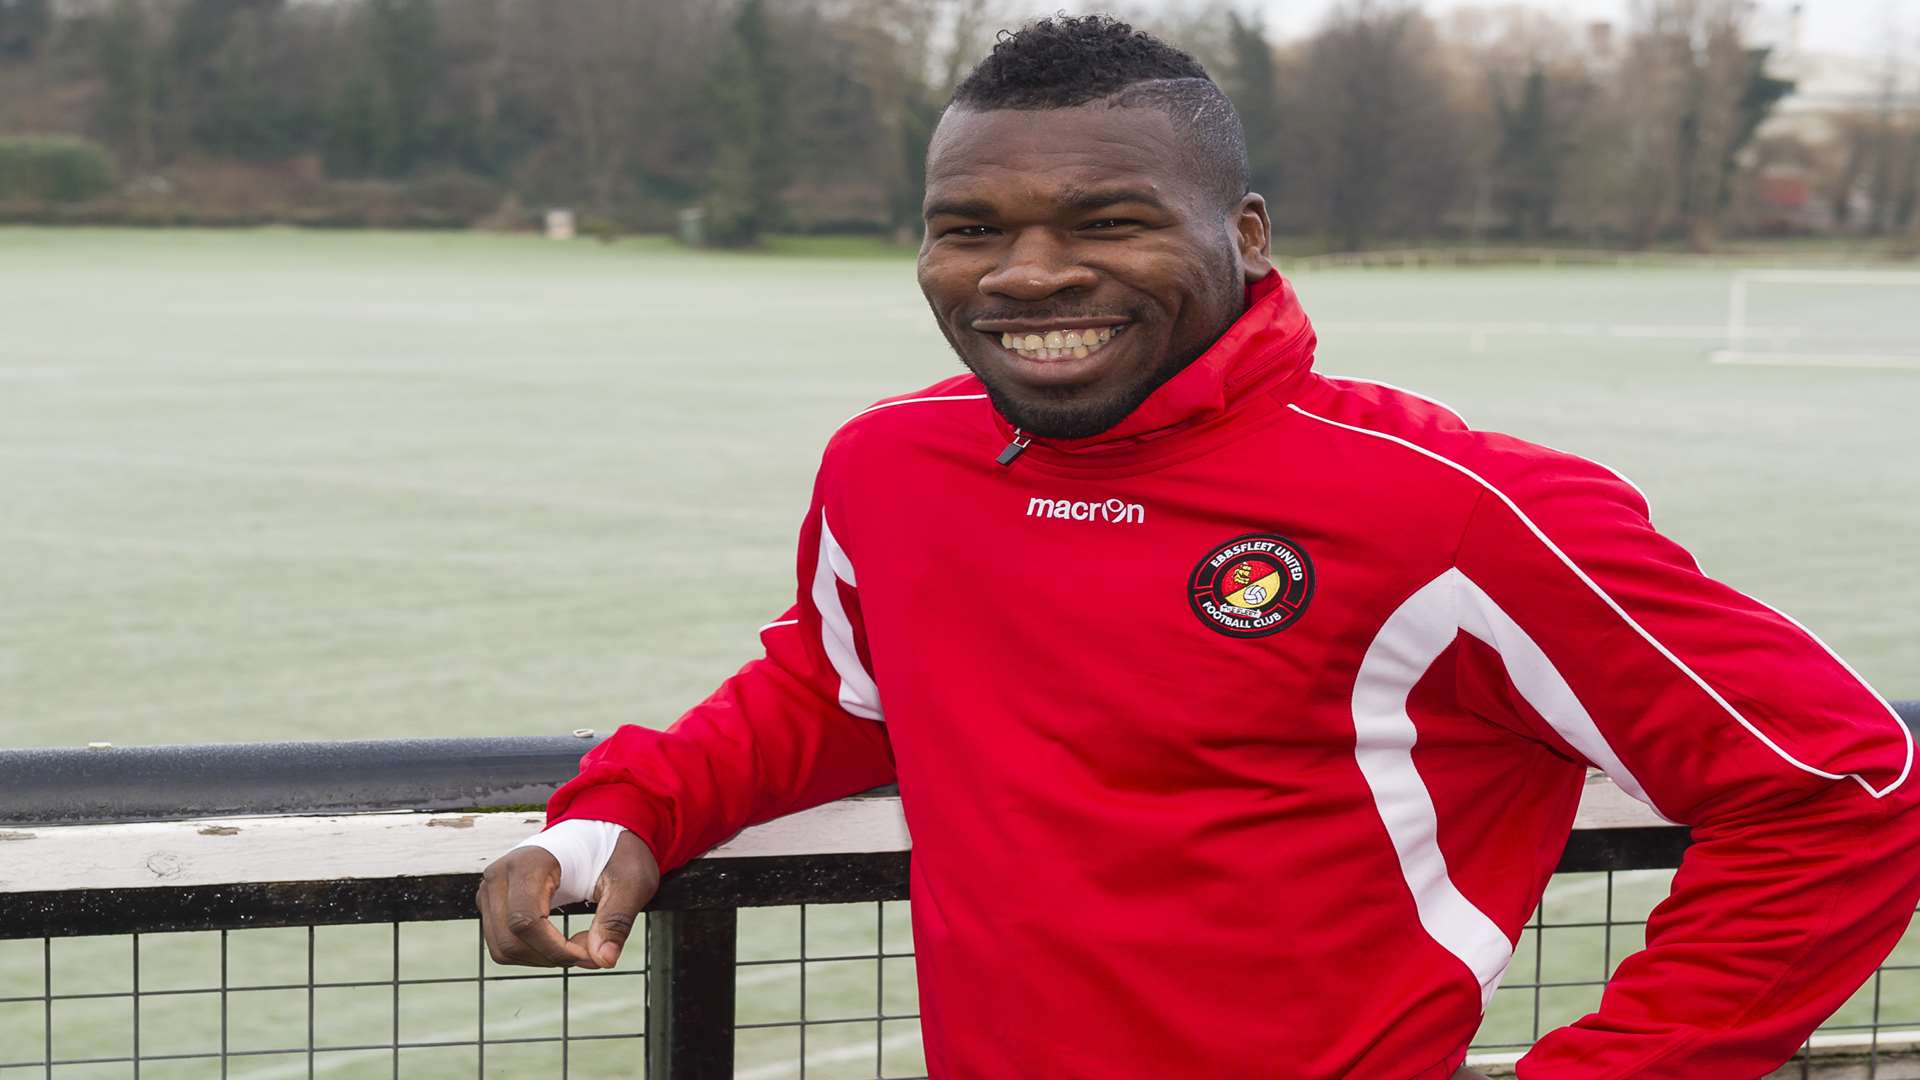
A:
{"points": [[1252, 586]]}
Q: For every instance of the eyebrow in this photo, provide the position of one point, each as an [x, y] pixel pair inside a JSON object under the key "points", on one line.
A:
{"points": [[967, 208], [1077, 199], [1096, 198]]}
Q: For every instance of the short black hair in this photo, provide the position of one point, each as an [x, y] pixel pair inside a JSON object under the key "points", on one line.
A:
{"points": [[1066, 60]]}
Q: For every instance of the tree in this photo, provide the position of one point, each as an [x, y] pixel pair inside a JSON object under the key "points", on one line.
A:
{"points": [[129, 64], [23, 26], [1731, 94], [817, 113], [239, 79], [902, 60], [1691, 96], [1252, 80], [1763, 93], [596, 88], [1527, 165], [380, 120], [1384, 141], [498, 58], [1909, 245], [357, 137], [742, 199], [1904, 197], [404, 41]]}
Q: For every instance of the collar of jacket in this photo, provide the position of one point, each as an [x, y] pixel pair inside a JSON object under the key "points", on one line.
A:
{"points": [[1252, 368]]}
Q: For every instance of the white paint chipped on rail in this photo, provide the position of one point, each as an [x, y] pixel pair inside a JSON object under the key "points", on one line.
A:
{"points": [[359, 846], [267, 849]]}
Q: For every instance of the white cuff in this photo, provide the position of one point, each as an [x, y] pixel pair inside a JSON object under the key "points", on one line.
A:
{"points": [[583, 848]]}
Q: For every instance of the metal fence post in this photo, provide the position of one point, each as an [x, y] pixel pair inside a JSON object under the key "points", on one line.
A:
{"points": [[690, 957]]}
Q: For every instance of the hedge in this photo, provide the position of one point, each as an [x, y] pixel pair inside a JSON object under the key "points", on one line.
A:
{"points": [[54, 168]]}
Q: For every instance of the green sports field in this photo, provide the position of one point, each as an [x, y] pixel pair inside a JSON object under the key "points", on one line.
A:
{"points": [[268, 485]]}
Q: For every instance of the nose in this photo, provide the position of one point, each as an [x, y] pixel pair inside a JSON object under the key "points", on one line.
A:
{"points": [[1036, 266]]}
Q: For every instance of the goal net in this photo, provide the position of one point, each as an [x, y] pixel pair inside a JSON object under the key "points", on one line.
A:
{"points": [[1823, 318]]}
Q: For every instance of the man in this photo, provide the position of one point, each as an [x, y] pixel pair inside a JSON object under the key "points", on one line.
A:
{"points": [[1240, 713]]}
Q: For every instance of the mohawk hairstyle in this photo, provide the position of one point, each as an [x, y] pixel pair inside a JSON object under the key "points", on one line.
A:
{"points": [[1067, 61]]}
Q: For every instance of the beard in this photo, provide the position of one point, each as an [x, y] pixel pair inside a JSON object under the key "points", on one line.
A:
{"points": [[1073, 412], [1090, 408]]}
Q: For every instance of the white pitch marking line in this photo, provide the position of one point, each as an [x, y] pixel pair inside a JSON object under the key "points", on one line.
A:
{"points": [[363, 481], [1480, 330], [1868, 361]]}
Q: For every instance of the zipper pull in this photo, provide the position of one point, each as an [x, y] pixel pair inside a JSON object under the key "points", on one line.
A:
{"points": [[1019, 443]]}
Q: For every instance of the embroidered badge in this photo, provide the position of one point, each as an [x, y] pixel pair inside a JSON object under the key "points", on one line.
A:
{"points": [[1252, 586]]}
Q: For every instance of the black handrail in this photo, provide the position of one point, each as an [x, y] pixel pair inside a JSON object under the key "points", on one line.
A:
{"points": [[68, 786]]}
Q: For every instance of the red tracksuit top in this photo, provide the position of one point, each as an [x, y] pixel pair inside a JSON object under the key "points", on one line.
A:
{"points": [[1241, 740]]}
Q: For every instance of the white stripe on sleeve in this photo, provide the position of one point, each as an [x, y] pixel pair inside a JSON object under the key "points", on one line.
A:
{"points": [[858, 694]]}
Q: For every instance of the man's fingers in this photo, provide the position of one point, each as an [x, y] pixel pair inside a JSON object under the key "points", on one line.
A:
{"points": [[529, 899], [613, 922], [492, 902], [628, 883]]}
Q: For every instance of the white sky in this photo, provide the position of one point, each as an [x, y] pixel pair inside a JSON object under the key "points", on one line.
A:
{"points": [[1858, 27]]}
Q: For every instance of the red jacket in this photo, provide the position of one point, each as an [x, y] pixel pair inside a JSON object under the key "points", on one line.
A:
{"points": [[1242, 739]]}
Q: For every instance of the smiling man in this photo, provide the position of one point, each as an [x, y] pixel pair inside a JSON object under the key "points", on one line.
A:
{"points": [[1239, 712], [1080, 253]]}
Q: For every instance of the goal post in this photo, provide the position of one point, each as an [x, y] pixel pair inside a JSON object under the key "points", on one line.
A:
{"points": [[1822, 318]]}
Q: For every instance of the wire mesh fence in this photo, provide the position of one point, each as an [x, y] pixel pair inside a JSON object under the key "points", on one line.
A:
{"points": [[822, 992], [1588, 922], [385, 999], [827, 991], [141, 937]]}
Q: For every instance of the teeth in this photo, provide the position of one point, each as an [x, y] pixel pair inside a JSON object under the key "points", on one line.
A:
{"points": [[1058, 345]]}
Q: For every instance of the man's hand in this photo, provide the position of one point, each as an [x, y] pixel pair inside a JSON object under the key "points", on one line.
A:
{"points": [[516, 894]]}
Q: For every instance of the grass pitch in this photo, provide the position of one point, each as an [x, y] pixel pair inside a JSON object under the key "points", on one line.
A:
{"points": [[279, 485], [295, 485]]}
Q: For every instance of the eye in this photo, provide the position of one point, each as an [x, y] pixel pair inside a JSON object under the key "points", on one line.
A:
{"points": [[1110, 223], [969, 232]]}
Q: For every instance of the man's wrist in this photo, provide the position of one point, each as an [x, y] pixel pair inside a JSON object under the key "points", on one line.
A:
{"points": [[582, 846]]}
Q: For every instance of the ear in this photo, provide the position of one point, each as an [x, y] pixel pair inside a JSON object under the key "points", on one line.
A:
{"points": [[1253, 233]]}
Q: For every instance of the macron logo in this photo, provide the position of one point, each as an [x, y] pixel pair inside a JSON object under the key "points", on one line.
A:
{"points": [[1118, 511]]}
